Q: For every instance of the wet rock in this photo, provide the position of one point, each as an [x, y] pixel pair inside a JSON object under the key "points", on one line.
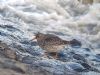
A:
{"points": [[9, 28], [3, 34], [82, 67], [17, 27], [53, 67], [34, 43], [9, 67], [30, 59], [79, 57], [76, 66], [83, 51], [35, 51], [27, 60], [98, 56], [6, 51], [65, 55], [88, 67]]}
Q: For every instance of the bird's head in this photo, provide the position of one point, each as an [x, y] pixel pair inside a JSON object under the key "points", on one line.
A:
{"points": [[39, 36]]}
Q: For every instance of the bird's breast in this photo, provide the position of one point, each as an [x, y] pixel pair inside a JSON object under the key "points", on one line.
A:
{"points": [[50, 47], [53, 48]]}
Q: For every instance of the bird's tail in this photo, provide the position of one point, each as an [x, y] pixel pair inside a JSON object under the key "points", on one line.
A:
{"points": [[73, 42], [66, 42]]}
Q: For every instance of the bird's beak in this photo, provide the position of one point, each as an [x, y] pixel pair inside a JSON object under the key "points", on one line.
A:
{"points": [[34, 38]]}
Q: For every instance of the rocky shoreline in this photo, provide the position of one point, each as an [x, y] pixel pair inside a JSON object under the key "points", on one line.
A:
{"points": [[19, 22]]}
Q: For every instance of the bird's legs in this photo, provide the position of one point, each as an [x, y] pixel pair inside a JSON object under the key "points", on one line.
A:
{"points": [[46, 54], [56, 56], [52, 55]]}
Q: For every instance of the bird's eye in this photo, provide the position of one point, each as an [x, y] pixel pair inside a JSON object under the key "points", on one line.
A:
{"points": [[37, 36]]}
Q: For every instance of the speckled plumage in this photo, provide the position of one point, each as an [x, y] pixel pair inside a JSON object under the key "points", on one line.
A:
{"points": [[50, 43]]}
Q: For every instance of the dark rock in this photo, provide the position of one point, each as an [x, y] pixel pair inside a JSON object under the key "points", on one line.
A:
{"points": [[28, 60], [79, 57], [87, 49], [76, 66], [9, 28], [53, 67], [65, 56], [6, 51], [3, 34], [34, 43], [89, 67], [97, 56], [87, 55], [25, 42], [9, 67], [75, 43]]}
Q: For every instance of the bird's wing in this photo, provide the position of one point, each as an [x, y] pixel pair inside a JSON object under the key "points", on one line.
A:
{"points": [[53, 40]]}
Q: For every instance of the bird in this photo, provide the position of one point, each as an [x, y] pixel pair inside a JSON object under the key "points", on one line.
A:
{"points": [[51, 43]]}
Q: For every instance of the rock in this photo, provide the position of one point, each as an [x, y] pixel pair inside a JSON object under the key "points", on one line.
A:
{"points": [[9, 67], [9, 72], [8, 63], [88, 67], [6, 51], [79, 57], [18, 25], [82, 67], [53, 67], [98, 56], [76, 66]]}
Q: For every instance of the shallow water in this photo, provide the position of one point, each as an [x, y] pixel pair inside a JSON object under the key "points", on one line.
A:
{"points": [[20, 19]]}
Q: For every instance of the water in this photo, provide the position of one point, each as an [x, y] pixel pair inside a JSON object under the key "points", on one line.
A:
{"points": [[20, 19]]}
